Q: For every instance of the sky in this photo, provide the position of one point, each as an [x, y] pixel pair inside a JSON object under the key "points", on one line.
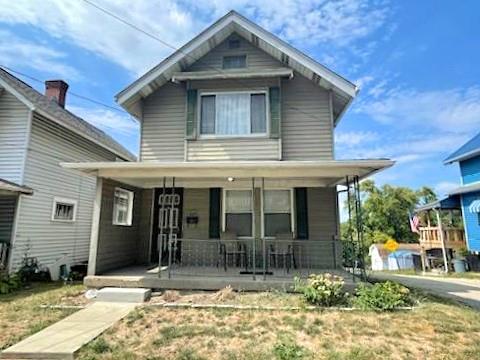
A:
{"points": [[416, 63]]}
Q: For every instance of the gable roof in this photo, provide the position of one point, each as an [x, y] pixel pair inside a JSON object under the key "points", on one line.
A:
{"points": [[344, 91], [468, 150], [39, 103]]}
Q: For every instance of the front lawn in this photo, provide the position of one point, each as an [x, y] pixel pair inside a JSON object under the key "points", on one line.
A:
{"points": [[21, 313], [433, 330]]}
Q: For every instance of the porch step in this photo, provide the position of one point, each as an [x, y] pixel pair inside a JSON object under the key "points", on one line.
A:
{"points": [[123, 295]]}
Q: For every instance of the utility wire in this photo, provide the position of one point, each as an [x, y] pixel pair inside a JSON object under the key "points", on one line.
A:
{"points": [[163, 42], [83, 97]]}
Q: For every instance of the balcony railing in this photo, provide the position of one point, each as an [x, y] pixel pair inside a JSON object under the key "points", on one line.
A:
{"points": [[430, 237], [4, 249], [260, 258]]}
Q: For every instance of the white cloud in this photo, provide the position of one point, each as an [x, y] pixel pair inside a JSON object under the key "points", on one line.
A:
{"points": [[453, 110], [444, 187], [107, 120], [299, 21], [17, 52], [354, 138]]}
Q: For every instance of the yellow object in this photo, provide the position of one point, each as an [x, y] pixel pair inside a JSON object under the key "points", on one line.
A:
{"points": [[391, 245]]}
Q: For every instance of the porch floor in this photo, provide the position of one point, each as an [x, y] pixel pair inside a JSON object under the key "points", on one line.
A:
{"points": [[207, 278]]}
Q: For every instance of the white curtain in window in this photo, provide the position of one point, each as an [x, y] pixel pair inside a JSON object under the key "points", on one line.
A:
{"points": [[238, 201], [232, 114], [277, 201]]}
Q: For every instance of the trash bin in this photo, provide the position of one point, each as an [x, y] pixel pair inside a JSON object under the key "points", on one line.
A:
{"points": [[459, 265]]}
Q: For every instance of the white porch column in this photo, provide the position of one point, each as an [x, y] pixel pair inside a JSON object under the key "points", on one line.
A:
{"points": [[97, 208]]}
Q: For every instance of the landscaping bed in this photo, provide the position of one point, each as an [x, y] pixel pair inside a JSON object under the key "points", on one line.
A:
{"points": [[22, 312]]}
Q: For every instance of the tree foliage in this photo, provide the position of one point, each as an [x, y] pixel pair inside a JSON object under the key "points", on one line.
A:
{"points": [[385, 211]]}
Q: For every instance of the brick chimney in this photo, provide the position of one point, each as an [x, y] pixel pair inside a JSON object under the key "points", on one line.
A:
{"points": [[56, 90]]}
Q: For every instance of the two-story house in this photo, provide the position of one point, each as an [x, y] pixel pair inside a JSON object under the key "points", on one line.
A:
{"points": [[236, 175], [468, 158], [46, 210]]}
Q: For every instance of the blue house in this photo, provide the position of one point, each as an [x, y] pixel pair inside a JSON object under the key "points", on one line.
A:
{"points": [[468, 157]]}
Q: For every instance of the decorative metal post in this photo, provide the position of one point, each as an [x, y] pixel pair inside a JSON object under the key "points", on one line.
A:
{"points": [[170, 235], [262, 220], [160, 235], [253, 229]]}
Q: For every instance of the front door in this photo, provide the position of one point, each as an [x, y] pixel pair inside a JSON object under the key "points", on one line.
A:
{"points": [[166, 223]]}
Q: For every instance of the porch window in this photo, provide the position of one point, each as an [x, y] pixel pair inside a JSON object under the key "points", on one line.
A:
{"points": [[278, 212], [233, 114], [122, 207], [238, 212], [64, 210]]}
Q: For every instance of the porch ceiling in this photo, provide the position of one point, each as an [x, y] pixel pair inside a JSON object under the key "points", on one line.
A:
{"points": [[147, 174]]}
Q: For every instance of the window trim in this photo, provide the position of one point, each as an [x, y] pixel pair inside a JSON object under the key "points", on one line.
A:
{"points": [[293, 225], [67, 201], [131, 196], [224, 210], [264, 135]]}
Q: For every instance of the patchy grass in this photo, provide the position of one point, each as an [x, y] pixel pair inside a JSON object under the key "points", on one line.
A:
{"points": [[436, 329], [21, 314]]}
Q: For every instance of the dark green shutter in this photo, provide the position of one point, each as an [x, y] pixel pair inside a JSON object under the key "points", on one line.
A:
{"points": [[214, 223], [301, 212], [191, 114], [274, 99]]}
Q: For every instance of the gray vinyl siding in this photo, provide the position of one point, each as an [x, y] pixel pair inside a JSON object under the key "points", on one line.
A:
{"points": [[145, 233], [256, 58], [45, 239], [7, 216], [323, 226], [233, 149], [196, 202], [163, 125], [117, 244], [13, 134], [307, 132]]}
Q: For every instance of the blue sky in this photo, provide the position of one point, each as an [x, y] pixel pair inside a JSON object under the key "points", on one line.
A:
{"points": [[416, 63]]}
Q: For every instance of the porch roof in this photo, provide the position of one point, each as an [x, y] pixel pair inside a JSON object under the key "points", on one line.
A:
{"points": [[331, 172], [8, 188]]}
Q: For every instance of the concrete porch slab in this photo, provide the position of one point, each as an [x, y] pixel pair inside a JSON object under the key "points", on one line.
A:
{"points": [[206, 279], [62, 339]]}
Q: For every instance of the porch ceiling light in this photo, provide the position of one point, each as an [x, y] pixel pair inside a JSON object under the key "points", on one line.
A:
{"points": [[230, 179]]}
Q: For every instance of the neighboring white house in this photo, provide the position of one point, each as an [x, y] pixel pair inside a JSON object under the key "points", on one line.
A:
{"points": [[382, 259], [46, 210]]}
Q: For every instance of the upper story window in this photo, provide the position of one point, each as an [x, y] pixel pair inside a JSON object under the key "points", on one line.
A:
{"points": [[235, 62], [233, 114], [234, 44]]}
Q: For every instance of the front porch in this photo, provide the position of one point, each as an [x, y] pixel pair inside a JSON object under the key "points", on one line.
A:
{"points": [[205, 278], [252, 225]]}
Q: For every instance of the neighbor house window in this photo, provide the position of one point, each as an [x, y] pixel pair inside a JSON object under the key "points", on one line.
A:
{"points": [[64, 209], [238, 212], [122, 207], [233, 114], [235, 62], [277, 212]]}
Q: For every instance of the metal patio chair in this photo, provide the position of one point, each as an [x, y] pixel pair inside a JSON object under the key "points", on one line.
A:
{"points": [[282, 250], [230, 247]]}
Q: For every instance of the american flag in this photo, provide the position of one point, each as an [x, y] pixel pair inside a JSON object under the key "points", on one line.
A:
{"points": [[414, 222]]}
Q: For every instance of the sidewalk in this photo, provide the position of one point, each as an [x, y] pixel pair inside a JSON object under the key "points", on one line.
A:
{"points": [[466, 291], [62, 339]]}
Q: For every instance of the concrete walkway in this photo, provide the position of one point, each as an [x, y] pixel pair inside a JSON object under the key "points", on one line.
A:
{"points": [[466, 291], [62, 339]]}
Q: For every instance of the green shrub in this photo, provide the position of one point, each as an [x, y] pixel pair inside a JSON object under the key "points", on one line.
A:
{"points": [[287, 349], [385, 296], [323, 289], [9, 283]]}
